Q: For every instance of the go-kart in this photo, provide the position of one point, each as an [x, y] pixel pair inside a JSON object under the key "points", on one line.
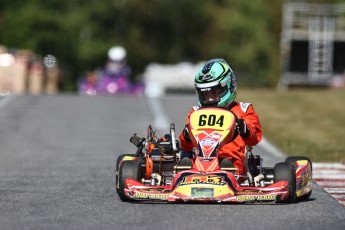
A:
{"points": [[155, 172], [107, 85]]}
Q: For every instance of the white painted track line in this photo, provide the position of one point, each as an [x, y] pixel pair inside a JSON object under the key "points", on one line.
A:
{"points": [[4, 100]]}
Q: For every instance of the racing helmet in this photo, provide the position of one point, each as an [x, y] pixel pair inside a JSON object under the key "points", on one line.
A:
{"points": [[215, 84], [117, 54]]}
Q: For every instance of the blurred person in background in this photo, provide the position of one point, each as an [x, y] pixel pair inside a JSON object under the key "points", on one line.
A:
{"points": [[115, 77], [216, 86], [89, 84], [116, 65]]}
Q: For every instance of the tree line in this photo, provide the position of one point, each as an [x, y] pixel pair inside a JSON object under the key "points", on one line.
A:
{"points": [[79, 33]]}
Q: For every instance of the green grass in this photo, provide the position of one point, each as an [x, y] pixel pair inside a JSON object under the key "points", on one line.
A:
{"points": [[302, 122]]}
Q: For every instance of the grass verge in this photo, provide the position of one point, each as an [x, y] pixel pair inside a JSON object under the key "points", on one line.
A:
{"points": [[307, 122]]}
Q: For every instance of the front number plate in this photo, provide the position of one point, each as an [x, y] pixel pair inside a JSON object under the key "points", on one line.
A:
{"points": [[202, 192]]}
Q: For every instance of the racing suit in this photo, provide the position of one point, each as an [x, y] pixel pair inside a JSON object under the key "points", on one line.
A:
{"points": [[235, 149]]}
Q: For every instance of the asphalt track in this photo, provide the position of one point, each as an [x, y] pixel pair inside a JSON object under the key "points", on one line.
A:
{"points": [[57, 159]]}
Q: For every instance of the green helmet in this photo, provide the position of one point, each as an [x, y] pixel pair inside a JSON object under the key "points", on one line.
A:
{"points": [[215, 84]]}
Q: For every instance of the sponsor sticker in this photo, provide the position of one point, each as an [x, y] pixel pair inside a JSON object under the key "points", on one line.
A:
{"points": [[207, 142], [244, 106], [211, 180], [151, 196], [256, 197]]}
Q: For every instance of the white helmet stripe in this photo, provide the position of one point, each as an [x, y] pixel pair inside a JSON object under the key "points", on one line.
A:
{"points": [[206, 85]]}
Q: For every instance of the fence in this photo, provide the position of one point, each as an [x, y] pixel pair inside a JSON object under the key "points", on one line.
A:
{"points": [[313, 44]]}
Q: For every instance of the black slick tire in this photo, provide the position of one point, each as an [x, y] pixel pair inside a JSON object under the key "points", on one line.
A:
{"points": [[292, 160], [118, 162], [286, 171], [128, 169]]}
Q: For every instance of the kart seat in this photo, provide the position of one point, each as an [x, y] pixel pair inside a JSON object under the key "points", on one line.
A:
{"points": [[185, 162]]}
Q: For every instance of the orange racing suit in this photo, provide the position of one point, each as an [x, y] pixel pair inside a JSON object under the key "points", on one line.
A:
{"points": [[235, 149]]}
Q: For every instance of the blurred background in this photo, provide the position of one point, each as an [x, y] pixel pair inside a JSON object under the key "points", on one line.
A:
{"points": [[66, 39], [59, 46]]}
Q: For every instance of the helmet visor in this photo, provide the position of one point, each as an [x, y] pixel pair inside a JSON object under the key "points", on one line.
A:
{"points": [[210, 96]]}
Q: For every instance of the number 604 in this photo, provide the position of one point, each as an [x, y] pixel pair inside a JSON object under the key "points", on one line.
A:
{"points": [[211, 120]]}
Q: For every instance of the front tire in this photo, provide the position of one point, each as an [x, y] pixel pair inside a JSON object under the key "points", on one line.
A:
{"points": [[128, 169], [286, 171], [292, 160], [118, 162]]}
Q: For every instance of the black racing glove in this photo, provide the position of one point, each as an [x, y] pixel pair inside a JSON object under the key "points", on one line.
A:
{"points": [[185, 134], [242, 128]]}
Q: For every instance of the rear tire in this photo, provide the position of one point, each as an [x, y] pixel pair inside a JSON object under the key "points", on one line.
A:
{"points": [[128, 169], [292, 160], [286, 171]]}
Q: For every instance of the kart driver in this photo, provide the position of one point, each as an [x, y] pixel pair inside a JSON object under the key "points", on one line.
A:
{"points": [[215, 84]]}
